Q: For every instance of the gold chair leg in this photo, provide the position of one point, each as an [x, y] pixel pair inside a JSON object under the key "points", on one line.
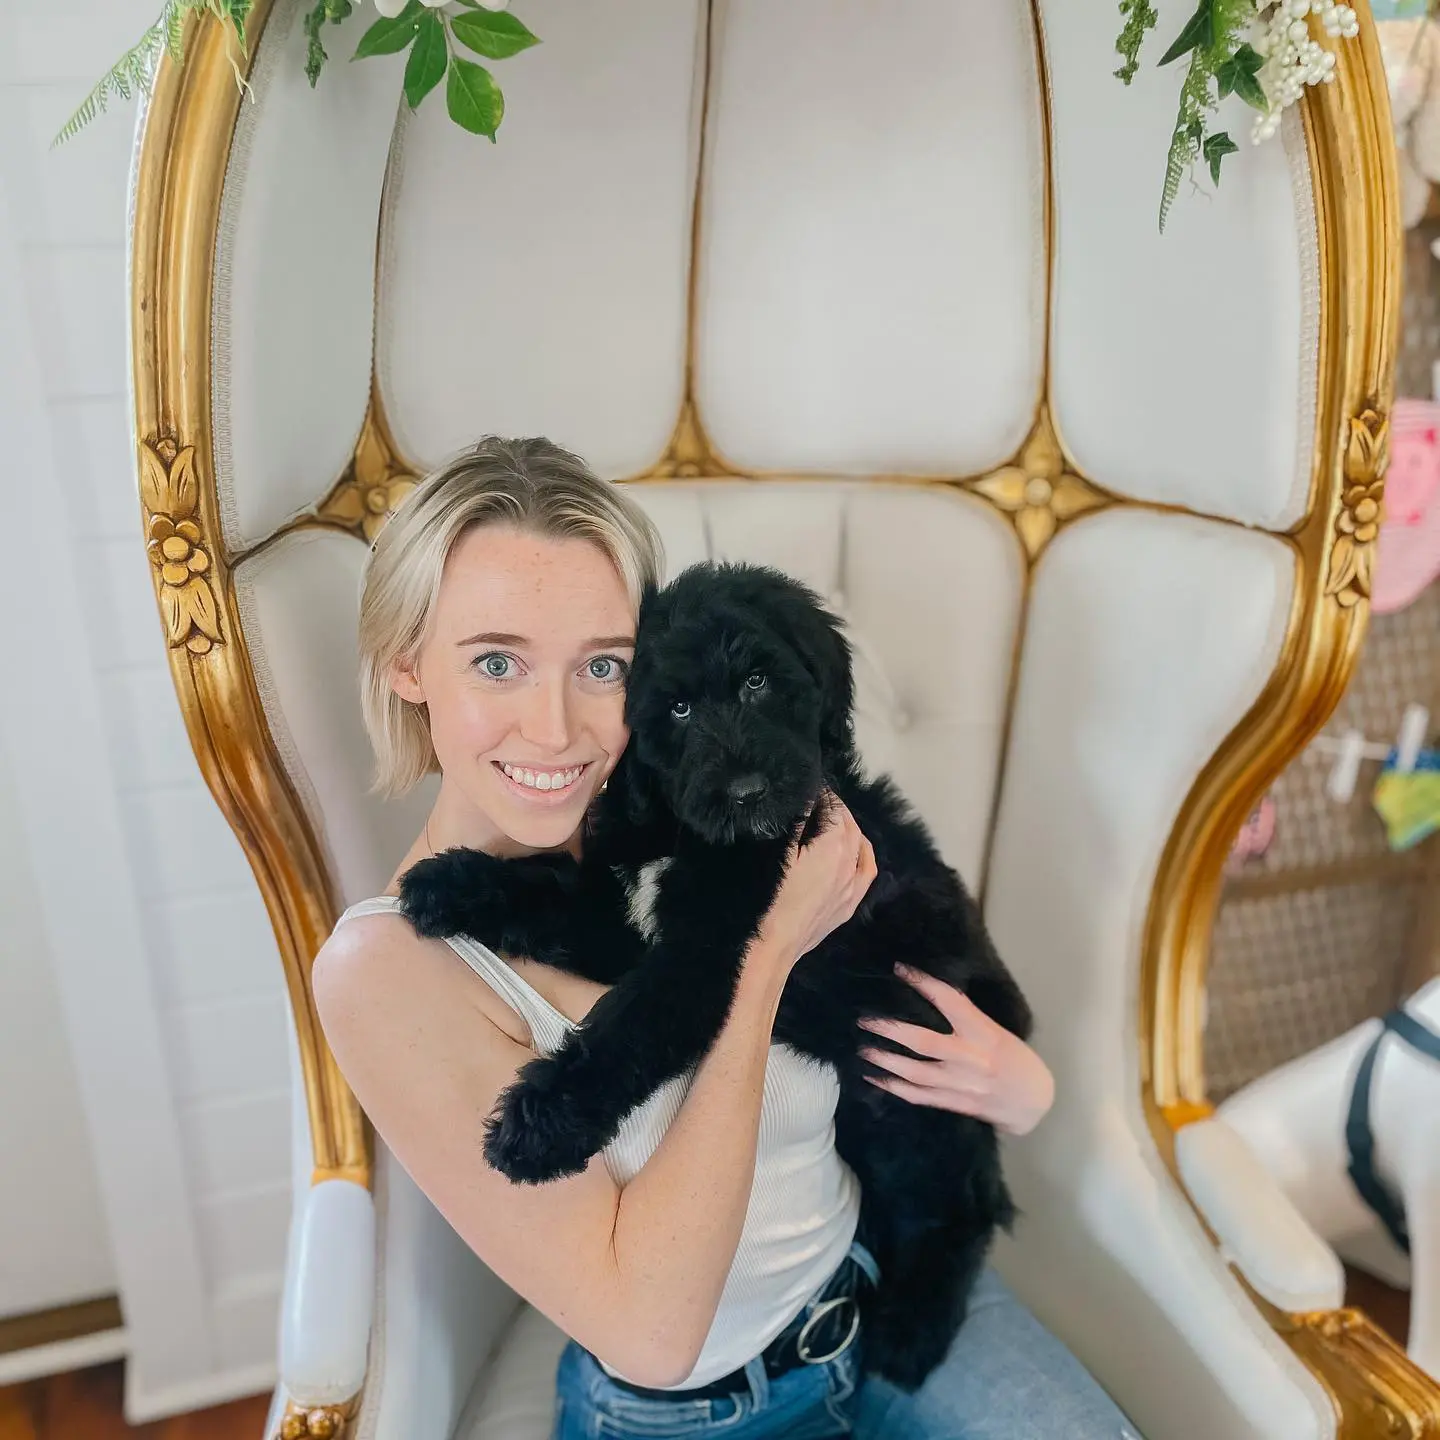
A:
{"points": [[316, 1422]]}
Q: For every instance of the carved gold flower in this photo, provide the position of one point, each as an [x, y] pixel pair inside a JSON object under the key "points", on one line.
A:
{"points": [[366, 508], [1361, 515], [176, 551], [1357, 527], [1038, 490], [381, 502], [171, 496]]}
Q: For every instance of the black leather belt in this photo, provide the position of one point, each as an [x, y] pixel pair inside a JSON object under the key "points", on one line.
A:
{"points": [[824, 1328]]}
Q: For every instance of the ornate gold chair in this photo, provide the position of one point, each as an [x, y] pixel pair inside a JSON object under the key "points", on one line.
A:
{"points": [[879, 300]]}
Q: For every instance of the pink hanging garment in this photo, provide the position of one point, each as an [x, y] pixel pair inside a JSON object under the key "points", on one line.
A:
{"points": [[1408, 558], [1256, 836]]}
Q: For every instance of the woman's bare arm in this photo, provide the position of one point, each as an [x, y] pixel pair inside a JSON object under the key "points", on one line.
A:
{"points": [[633, 1274]]}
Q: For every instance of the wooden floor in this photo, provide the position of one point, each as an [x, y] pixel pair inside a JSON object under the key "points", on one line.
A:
{"points": [[1389, 1309], [86, 1405]]}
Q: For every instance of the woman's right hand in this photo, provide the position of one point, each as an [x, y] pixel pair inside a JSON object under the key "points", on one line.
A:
{"points": [[824, 883]]}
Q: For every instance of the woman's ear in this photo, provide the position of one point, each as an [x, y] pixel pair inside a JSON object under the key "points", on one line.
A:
{"points": [[406, 683]]}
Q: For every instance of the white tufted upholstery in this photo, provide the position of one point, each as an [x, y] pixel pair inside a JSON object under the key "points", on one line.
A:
{"points": [[281, 255], [857, 367], [566, 248], [1138, 313], [870, 301], [1148, 638]]}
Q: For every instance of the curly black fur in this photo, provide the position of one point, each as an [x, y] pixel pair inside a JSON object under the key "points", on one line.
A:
{"points": [[740, 706]]}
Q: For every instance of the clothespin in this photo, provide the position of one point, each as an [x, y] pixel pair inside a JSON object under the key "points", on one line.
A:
{"points": [[1349, 752], [1351, 748], [1414, 728]]}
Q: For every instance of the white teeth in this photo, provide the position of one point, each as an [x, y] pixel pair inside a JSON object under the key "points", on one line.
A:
{"points": [[542, 779]]}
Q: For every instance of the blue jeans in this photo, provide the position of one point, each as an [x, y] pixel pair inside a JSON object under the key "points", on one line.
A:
{"points": [[1005, 1378]]}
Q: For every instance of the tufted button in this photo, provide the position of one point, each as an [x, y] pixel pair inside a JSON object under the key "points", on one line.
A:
{"points": [[1038, 491]]}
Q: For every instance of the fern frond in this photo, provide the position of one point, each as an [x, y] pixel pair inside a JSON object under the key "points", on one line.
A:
{"points": [[173, 21], [1141, 17], [1189, 131], [1231, 22], [128, 75]]}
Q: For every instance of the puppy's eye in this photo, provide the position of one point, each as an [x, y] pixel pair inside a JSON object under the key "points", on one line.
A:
{"points": [[755, 681], [681, 709]]}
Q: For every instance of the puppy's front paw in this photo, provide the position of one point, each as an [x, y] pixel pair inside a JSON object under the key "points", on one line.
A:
{"points": [[542, 1129], [467, 892], [449, 893]]}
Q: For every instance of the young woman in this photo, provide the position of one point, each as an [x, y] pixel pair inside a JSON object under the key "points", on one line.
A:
{"points": [[704, 1266]]}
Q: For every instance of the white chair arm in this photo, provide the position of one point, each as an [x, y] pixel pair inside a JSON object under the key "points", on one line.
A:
{"points": [[1259, 1229], [325, 1324]]}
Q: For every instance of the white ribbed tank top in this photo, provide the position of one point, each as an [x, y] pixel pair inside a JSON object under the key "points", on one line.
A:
{"points": [[804, 1202]]}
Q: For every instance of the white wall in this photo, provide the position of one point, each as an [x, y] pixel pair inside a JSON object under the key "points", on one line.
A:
{"points": [[171, 984], [53, 1245]]}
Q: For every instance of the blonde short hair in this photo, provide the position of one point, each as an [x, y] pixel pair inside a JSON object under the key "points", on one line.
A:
{"points": [[533, 484]]}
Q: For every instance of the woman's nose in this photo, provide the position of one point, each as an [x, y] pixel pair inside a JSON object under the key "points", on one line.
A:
{"points": [[546, 720]]}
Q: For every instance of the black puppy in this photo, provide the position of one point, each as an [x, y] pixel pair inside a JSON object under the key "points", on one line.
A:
{"points": [[740, 707]]}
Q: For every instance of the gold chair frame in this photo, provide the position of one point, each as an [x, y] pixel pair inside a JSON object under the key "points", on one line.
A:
{"points": [[1375, 1389]]}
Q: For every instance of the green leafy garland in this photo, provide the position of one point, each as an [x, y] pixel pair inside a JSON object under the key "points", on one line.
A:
{"points": [[1221, 63], [1269, 75], [471, 94], [431, 35]]}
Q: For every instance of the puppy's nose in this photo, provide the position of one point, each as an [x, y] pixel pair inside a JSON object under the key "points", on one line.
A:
{"points": [[747, 789]]}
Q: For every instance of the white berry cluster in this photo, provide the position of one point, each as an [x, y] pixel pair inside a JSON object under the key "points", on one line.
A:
{"points": [[1292, 60]]}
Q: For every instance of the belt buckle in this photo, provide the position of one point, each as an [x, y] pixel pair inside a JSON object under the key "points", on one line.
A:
{"points": [[823, 1311]]}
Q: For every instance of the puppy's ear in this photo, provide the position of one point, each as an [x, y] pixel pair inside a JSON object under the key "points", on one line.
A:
{"points": [[815, 635], [825, 650], [638, 795]]}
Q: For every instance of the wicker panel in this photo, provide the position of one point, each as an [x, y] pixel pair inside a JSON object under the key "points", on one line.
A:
{"points": [[1316, 935], [1419, 312], [1400, 665], [1291, 971]]}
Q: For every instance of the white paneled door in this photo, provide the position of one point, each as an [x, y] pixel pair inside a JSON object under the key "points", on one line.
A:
{"points": [[53, 1245]]}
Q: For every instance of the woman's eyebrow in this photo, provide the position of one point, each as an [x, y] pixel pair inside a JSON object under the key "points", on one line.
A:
{"points": [[494, 638]]}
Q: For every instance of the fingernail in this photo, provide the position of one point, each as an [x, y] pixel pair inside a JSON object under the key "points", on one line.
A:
{"points": [[866, 1024], [904, 971]]}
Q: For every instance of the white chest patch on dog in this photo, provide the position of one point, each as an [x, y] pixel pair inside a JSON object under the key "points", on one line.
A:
{"points": [[642, 888]]}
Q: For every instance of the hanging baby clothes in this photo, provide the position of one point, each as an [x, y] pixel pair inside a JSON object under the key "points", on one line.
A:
{"points": [[1409, 542]]}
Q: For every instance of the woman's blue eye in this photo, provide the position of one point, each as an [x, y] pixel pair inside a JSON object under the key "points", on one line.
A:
{"points": [[495, 665], [605, 667]]}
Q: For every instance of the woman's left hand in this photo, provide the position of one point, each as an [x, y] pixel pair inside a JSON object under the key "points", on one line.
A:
{"points": [[978, 1069]]}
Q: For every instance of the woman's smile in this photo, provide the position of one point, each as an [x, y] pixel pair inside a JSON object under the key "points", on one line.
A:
{"points": [[540, 785]]}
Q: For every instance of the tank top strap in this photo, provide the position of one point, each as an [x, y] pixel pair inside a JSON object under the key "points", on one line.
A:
{"points": [[548, 1026]]}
